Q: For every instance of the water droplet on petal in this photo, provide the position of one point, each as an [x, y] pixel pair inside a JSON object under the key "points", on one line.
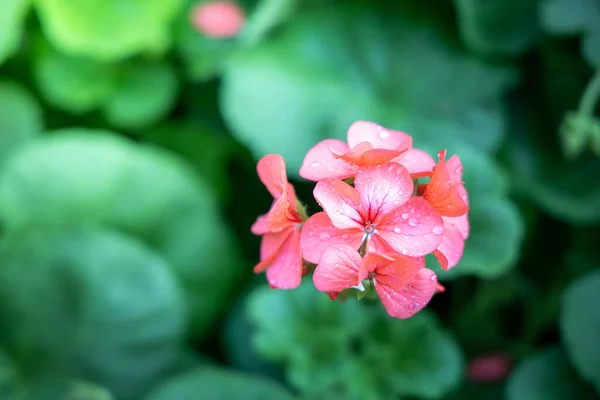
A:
{"points": [[384, 134], [438, 230], [397, 230], [459, 170], [404, 215], [413, 222], [315, 164], [433, 277], [344, 236], [404, 252], [324, 236], [414, 305]]}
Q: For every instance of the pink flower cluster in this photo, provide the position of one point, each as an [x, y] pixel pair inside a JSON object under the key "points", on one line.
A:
{"points": [[385, 206]]}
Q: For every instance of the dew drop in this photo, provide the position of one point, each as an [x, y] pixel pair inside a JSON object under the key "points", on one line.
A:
{"points": [[414, 305], [397, 230], [396, 202], [404, 216], [324, 236], [344, 236], [438, 230], [412, 210], [315, 164], [404, 252], [433, 277], [413, 222], [384, 134], [459, 170]]}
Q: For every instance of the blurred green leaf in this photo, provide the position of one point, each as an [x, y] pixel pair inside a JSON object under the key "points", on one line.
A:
{"points": [[12, 17], [331, 68], [72, 83], [89, 177], [20, 118], [498, 27], [546, 375], [92, 303], [580, 326], [265, 16], [352, 350], [144, 94], [213, 383], [207, 150], [110, 29], [568, 17], [87, 391]]}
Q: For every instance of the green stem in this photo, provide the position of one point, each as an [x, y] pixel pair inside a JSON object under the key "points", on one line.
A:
{"points": [[590, 96]]}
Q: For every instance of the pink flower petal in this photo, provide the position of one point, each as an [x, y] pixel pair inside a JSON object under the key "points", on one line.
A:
{"points": [[461, 223], [218, 19], [285, 271], [417, 162], [443, 192], [341, 202], [281, 216], [271, 171], [412, 298], [382, 189], [318, 233], [320, 162], [414, 229], [378, 136], [363, 154], [455, 168], [269, 246], [451, 248], [397, 273], [338, 269], [259, 227]]}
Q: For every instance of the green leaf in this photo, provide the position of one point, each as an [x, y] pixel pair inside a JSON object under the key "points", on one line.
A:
{"points": [[87, 177], [110, 29], [546, 376], [12, 17], [88, 391], [71, 83], [498, 27], [90, 302], [330, 68], [580, 326], [352, 350], [20, 118], [213, 383], [567, 17], [145, 93], [265, 16]]}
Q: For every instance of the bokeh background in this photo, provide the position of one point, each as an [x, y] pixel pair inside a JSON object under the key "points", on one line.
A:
{"points": [[128, 144]]}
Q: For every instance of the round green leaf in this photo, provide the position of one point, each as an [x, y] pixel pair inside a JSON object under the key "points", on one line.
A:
{"points": [[20, 118], [109, 29], [546, 376], [331, 68], [93, 303], [144, 95], [497, 26], [89, 177], [71, 83], [352, 350], [213, 383], [12, 16], [575, 17], [580, 326]]}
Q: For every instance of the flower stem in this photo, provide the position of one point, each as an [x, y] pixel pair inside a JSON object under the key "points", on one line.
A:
{"points": [[590, 96]]}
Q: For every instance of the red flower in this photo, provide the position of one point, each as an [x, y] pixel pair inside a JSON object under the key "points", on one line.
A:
{"points": [[380, 209], [445, 188], [218, 19], [402, 283], [368, 144], [456, 229], [280, 252]]}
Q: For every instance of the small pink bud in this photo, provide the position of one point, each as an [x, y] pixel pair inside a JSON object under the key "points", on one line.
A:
{"points": [[489, 368], [218, 19]]}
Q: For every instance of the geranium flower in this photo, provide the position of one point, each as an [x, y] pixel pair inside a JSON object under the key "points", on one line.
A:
{"points": [[368, 144], [456, 229], [280, 252], [402, 283], [380, 209], [218, 19], [445, 188]]}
